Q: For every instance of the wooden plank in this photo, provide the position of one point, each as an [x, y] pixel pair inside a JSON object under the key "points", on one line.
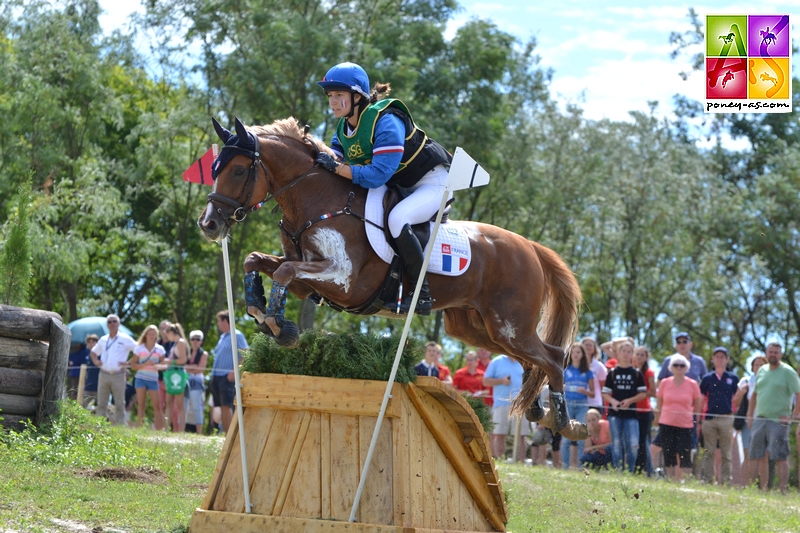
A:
{"points": [[216, 477], [467, 509], [345, 465], [400, 468], [15, 421], [307, 393], [442, 516], [304, 499], [288, 476], [11, 404], [23, 354], [449, 438], [452, 508], [275, 460], [221, 522], [24, 323], [376, 505], [54, 386], [20, 382], [325, 464], [416, 440], [430, 503]]}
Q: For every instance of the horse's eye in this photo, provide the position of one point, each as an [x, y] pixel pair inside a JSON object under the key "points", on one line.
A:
{"points": [[239, 171]]}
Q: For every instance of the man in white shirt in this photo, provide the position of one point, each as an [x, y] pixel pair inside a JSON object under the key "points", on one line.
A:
{"points": [[111, 355]]}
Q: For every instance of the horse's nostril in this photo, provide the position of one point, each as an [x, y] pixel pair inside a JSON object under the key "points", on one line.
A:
{"points": [[211, 225]]}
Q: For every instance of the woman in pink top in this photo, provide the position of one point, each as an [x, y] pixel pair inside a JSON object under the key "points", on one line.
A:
{"points": [[679, 399], [597, 452]]}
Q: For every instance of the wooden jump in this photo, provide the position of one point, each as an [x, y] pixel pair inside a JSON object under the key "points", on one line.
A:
{"points": [[306, 440], [34, 354]]}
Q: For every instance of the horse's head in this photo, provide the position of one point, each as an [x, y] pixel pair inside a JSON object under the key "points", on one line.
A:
{"points": [[240, 182]]}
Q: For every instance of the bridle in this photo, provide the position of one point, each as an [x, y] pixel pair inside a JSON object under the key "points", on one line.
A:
{"points": [[236, 209]]}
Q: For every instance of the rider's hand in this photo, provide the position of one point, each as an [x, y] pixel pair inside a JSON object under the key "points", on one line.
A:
{"points": [[327, 161]]}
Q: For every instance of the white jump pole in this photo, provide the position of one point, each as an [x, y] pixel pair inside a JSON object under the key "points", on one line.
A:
{"points": [[397, 355], [248, 507], [464, 173]]}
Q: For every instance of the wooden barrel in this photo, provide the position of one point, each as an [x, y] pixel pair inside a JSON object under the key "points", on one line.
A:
{"points": [[306, 440]]}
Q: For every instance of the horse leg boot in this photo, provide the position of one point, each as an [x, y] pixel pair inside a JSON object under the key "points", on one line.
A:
{"points": [[413, 256], [270, 319], [558, 411], [535, 412]]}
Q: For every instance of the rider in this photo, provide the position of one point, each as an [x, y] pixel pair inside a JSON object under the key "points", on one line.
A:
{"points": [[377, 143]]}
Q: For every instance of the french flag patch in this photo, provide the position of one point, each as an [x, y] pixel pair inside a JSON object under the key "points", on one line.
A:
{"points": [[448, 264]]}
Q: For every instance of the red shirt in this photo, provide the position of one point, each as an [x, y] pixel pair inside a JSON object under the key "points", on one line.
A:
{"points": [[645, 405], [444, 372], [488, 399], [463, 380]]}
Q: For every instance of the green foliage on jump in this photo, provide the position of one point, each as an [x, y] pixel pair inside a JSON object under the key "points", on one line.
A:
{"points": [[349, 355], [15, 259], [482, 411]]}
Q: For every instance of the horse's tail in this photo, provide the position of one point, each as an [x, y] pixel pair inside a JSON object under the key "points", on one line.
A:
{"points": [[559, 321]]}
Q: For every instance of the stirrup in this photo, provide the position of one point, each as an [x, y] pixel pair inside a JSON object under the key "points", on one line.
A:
{"points": [[424, 305]]}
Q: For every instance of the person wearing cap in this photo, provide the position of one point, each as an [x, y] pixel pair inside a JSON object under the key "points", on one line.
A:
{"points": [[683, 346], [718, 388], [111, 355], [377, 143], [769, 414]]}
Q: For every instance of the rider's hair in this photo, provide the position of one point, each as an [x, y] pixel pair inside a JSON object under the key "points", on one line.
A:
{"points": [[379, 92]]}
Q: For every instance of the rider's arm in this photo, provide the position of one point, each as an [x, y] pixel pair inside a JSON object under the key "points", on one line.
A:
{"points": [[336, 146], [387, 152]]}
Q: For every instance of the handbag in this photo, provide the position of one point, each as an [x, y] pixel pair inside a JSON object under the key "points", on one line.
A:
{"points": [[175, 378], [741, 414]]}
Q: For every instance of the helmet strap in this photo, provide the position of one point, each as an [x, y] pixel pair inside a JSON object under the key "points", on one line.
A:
{"points": [[352, 105]]}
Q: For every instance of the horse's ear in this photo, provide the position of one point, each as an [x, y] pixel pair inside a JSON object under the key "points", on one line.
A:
{"points": [[221, 132], [241, 131]]}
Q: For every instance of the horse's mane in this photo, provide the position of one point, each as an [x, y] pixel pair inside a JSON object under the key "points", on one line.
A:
{"points": [[289, 127]]}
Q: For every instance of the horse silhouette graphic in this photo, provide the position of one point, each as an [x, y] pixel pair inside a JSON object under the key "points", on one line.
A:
{"points": [[728, 39], [728, 77], [766, 77], [768, 37]]}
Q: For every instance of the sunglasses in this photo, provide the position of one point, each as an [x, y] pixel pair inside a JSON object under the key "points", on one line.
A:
{"points": [[112, 321], [679, 365], [195, 339], [682, 341]]}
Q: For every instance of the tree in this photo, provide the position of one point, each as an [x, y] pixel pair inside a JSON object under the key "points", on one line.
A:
{"points": [[15, 255]]}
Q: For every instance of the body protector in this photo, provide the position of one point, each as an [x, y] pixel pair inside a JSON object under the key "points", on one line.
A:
{"points": [[420, 153]]}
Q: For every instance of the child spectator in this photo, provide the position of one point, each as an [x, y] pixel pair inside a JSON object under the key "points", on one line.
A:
{"points": [[470, 378], [598, 369], [624, 387], [644, 411], [198, 359], [598, 453], [147, 354], [578, 385]]}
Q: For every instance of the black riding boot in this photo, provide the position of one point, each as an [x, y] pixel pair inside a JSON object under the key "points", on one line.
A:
{"points": [[411, 251]]}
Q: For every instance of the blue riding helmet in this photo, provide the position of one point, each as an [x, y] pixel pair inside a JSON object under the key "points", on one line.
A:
{"points": [[346, 77]]}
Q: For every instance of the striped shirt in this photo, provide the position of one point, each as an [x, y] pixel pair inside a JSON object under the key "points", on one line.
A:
{"points": [[223, 357]]}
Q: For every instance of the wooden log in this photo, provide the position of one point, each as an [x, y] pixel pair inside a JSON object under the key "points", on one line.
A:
{"points": [[23, 323], [54, 387], [81, 383], [20, 382], [15, 421], [22, 354], [11, 404]]}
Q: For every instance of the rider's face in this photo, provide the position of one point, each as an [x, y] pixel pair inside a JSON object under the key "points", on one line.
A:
{"points": [[340, 103]]}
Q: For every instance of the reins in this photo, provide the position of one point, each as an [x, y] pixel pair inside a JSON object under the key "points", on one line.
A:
{"points": [[240, 211]]}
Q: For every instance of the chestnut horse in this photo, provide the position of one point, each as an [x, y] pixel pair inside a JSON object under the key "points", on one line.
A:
{"points": [[496, 304]]}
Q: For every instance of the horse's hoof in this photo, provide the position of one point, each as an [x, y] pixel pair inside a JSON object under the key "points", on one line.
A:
{"points": [[559, 414], [264, 328], [535, 412], [575, 430], [289, 337]]}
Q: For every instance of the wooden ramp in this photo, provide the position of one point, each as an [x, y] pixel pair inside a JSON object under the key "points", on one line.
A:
{"points": [[307, 439]]}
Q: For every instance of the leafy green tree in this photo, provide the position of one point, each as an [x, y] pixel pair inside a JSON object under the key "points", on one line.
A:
{"points": [[15, 256]]}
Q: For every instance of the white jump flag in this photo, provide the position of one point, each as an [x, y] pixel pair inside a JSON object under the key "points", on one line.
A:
{"points": [[464, 173]]}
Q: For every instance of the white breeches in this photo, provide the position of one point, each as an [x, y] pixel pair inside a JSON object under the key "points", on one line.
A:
{"points": [[423, 202]]}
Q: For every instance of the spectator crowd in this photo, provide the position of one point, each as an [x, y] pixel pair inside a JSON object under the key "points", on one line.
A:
{"points": [[703, 419], [159, 379]]}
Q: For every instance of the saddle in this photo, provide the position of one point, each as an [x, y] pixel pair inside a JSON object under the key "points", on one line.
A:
{"points": [[394, 195]]}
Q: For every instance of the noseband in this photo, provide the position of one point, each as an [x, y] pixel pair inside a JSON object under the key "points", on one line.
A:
{"points": [[237, 210]]}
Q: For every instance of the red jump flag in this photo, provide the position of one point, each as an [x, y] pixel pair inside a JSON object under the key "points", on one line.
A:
{"points": [[200, 171]]}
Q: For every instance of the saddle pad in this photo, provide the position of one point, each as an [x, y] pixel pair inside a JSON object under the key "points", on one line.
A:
{"points": [[452, 253]]}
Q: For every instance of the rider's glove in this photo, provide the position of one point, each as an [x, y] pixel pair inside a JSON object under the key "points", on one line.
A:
{"points": [[327, 161]]}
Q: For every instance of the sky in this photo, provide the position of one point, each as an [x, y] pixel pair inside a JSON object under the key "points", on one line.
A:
{"points": [[609, 57]]}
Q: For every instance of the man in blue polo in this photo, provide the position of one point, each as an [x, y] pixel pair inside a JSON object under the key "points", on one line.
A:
{"points": [[505, 376], [718, 387], [683, 346], [223, 382]]}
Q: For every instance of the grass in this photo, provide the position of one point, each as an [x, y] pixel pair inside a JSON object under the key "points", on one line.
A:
{"points": [[46, 484]]}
